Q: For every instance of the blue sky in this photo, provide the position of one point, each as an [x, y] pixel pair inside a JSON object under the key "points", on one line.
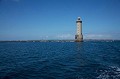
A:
{"points": [[56, 19]]}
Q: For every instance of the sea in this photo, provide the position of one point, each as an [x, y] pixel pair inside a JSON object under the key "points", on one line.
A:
{"points": [[91, 59]]}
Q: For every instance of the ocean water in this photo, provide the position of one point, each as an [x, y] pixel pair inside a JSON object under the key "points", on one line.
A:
{"points": [[60, 60]]}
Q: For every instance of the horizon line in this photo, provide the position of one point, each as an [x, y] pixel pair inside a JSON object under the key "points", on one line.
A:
{"points": [[59, 40]]}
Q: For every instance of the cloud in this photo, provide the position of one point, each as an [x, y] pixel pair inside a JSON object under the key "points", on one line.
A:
{"points": [[85, 36], [98, 36], [65, 36]]}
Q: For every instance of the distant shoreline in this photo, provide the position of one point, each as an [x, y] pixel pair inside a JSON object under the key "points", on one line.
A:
{"points": [[56, 40]]}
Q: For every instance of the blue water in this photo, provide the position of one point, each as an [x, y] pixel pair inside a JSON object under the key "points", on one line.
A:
{"points": [[60, 60]]}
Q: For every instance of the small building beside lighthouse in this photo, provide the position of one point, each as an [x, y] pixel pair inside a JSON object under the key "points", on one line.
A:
{"points": [[79, 36]]}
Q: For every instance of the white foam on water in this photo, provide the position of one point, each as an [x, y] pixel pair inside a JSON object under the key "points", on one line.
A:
{"points": [[112, 73], [118, 69]]}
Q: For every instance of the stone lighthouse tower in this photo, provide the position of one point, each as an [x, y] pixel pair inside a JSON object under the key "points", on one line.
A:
{"points": [[79, 36]]}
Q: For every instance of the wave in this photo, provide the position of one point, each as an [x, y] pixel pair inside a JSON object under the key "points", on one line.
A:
{"points": [[111, 73]]}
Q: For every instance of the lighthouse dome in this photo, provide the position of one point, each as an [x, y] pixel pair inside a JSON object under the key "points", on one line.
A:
{"points": [[78, 18]]}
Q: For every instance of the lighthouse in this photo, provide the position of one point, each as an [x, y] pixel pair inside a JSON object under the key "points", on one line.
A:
{"points": [[79, 36]]}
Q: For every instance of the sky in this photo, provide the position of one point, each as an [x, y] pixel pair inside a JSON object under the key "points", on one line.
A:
{"points": [[56, 19]]}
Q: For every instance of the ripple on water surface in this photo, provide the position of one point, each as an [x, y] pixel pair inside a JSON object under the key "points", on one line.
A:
{"points": [[60, 60]]}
